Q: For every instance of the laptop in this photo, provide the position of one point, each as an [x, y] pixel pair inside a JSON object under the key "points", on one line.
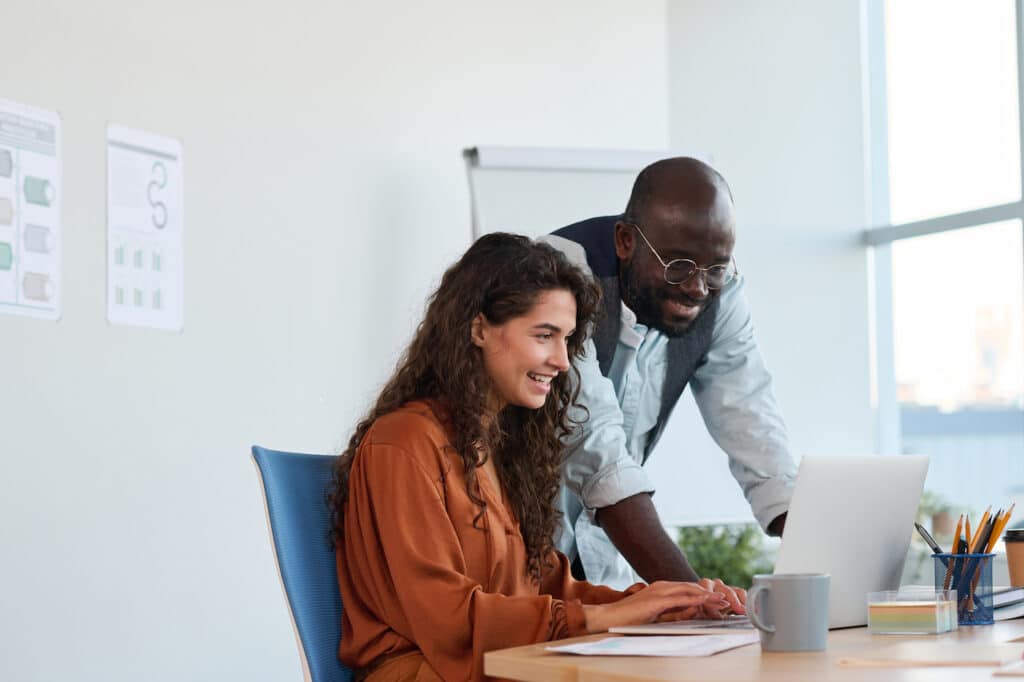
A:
{"points": [[851, 517]]}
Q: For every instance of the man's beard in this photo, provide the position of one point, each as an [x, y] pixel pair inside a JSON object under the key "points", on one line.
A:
{"points": [[645, 302]]}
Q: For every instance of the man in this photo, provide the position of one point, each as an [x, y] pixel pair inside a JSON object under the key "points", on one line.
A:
{"points": [[675, 314]]}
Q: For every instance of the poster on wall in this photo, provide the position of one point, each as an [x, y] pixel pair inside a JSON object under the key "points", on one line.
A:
{"points": [[30, 208], [145, 228]]}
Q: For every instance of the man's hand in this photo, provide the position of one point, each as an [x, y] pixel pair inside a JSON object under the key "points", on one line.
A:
{"points": [[635, 529]]}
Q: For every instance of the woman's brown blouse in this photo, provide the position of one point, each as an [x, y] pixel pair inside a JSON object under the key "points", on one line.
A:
{"points": [[415, 573]]}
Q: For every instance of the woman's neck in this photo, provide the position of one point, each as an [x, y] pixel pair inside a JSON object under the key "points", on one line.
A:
{"points": [[492, 409]]}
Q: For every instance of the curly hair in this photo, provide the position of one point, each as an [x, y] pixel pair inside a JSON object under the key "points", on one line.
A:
{"points": [[501, 276]]}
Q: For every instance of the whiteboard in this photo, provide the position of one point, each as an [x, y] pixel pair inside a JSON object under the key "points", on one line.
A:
{"points": [[534, 191]]}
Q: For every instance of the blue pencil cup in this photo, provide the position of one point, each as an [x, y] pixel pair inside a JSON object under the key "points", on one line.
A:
{"points": [[971, 576]]}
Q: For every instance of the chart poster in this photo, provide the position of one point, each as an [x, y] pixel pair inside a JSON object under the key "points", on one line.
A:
{"points": [[145, 230], [30, 209]]}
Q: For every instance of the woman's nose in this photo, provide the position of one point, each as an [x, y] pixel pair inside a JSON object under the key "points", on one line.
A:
{"points": [[560, 359]]}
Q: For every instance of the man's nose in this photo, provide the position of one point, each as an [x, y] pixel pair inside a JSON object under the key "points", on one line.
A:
{"points": [[695, 287]]}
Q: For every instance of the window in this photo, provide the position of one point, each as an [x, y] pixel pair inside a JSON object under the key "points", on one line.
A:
{"points": [[949, 253], [951, 75]]}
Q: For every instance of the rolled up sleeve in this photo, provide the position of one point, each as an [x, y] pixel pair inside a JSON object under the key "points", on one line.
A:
{"points": [[599, 469]]}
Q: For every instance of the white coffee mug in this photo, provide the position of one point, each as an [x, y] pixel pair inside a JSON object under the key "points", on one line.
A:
{"points": [[790, 610]]}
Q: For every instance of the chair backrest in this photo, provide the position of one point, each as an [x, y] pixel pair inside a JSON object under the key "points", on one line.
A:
{"points": [[293, 489]]}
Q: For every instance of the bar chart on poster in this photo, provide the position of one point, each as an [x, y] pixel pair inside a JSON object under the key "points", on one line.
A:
{"points": [[30, 211]]}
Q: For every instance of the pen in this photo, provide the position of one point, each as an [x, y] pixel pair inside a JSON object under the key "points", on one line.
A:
{"points": [[928, 538]]}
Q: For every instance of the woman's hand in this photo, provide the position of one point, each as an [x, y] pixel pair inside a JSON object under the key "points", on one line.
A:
{"points": [[736, 601], [651, 603], [735, 596]]}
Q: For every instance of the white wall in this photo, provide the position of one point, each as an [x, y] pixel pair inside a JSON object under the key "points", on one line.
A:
{"points": [[772, 91], [324, 194]]}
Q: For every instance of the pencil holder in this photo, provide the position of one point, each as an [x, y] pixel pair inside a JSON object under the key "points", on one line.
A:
{"points": [[971, 576]]}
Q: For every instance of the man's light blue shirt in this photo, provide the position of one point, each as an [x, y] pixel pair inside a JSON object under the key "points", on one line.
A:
{"points": [[638, 372], [732, 389]]}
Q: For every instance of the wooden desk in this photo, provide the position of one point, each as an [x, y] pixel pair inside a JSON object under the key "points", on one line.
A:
{"points": [[534, 664]]}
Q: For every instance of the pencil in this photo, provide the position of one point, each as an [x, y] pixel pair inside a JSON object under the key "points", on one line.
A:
{"points": [[1000, 525], [993, 536], [1006, 518], [958, 565], [956, 549], [979, 563], [979, 529]]}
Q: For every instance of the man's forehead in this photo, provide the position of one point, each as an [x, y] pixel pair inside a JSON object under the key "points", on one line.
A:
{"points": [[668, 219]]}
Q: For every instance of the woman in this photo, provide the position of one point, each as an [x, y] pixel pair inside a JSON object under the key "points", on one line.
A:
{"points": [[443, 502]]}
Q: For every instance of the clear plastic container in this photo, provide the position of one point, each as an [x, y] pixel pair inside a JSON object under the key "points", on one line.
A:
{"points": [[912, 611]]}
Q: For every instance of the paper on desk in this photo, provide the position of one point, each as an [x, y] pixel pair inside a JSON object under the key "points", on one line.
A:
{"points": [[699, 645]]}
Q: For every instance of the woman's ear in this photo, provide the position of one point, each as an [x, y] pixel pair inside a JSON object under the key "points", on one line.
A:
{"points": [[476, 330]]}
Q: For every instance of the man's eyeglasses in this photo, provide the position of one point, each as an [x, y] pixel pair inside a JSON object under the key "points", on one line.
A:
{"points": [[680, 270]]}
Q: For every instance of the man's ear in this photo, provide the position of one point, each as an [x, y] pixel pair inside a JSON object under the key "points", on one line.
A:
{"points": [[476, 330], [625, 240]]}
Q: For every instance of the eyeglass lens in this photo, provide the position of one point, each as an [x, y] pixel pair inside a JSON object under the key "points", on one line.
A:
{"points": [[681, 270]]}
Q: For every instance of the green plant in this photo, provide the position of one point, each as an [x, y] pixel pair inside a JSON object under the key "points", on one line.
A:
{"points": [[734, 553]]}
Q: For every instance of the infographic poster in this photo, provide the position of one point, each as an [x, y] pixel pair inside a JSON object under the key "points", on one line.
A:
{"points": [[145, 228], [30, 209]]}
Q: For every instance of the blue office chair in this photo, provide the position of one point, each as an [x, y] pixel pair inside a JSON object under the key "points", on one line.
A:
{"points": [[293, 489]]}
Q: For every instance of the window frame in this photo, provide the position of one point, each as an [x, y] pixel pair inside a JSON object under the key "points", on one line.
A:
{"points": [[880, 238]]}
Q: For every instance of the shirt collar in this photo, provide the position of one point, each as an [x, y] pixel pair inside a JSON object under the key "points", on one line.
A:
{"points": [[631, 332]]}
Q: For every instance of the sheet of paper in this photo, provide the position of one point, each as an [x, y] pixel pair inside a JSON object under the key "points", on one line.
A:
{"points": [[670, 645], [145, 229], [30, 208]]}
